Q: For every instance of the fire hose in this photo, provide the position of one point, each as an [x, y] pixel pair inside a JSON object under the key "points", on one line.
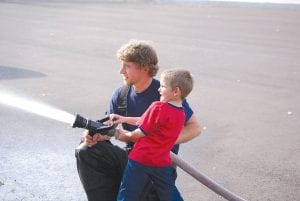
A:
{"points": [[205, 180]]}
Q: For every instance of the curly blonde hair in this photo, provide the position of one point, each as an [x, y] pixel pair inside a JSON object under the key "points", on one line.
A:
{"points": [[141, 53]]}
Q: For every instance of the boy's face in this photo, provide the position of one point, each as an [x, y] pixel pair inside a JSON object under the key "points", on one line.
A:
{"points": [[165, 90]]}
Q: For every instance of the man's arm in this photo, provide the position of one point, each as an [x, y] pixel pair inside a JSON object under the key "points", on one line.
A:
{"points": [[191, 129]]}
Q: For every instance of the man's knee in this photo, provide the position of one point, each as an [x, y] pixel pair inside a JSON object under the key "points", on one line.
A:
{"points": [[81, 151]]}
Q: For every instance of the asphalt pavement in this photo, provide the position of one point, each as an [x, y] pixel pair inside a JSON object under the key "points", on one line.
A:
{"points": [[246, 64]]}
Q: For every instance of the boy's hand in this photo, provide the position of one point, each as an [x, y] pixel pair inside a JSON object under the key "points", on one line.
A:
{"points": [[117, 119]]}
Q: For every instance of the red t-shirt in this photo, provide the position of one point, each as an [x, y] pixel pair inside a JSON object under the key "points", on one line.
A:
{"points": [[161, 124]]}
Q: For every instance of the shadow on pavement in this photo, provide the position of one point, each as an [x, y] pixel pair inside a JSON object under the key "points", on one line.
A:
{"points": [[8, 72]]}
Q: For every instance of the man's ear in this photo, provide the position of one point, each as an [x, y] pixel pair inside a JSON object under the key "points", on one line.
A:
{"points": [[146, 69]]}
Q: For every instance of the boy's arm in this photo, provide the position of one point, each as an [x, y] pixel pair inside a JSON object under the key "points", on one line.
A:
{"points": [[119, 119], [190, 130], [125, 136]]}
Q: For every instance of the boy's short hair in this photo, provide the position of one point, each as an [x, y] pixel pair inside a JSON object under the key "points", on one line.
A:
{"points": [[180, 78], [141, 53]]}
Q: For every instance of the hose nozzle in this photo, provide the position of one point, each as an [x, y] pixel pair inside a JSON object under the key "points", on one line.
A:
{"points": [[94, 126]]}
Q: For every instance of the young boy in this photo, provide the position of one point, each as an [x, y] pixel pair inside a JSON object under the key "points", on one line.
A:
{"points": [[157, 131]]}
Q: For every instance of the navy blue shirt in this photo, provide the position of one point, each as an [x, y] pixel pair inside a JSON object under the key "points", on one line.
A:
{"points": [[137, 104]]}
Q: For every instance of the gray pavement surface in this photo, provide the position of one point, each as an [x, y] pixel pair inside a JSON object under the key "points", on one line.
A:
{"points": [[246, 64]]}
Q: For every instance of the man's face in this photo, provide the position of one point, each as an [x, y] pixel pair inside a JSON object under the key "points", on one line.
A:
{"points": [[131, 72]]}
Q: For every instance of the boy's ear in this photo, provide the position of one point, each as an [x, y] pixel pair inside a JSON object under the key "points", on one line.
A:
{"points": [[177, 91]]}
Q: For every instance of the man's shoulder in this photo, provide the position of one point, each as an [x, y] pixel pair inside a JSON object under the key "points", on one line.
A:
{"points": [[120, 92], [154, 87], [155, 82], [121, 89]]}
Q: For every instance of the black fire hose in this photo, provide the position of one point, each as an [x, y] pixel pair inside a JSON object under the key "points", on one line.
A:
{"points": [[205, 180]]}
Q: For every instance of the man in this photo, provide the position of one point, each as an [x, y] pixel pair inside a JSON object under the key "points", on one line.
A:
{"points": [[100, 164]]}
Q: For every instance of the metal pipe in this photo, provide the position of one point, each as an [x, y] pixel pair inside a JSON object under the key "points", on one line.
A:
{"points": [[205, 180]]}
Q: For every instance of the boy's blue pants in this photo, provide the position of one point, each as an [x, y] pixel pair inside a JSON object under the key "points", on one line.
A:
{"points": [[137, 175]]}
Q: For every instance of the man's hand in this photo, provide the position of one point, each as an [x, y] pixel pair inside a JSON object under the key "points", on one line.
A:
{"points": [[92, 140]]}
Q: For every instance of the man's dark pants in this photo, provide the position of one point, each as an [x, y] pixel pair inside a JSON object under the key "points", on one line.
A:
{"points": [[100, 170]]}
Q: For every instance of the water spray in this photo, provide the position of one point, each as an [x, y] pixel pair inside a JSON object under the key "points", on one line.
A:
{"points": [[36, 108], [76, 121]]}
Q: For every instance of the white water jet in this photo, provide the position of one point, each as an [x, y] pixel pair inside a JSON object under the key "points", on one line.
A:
{"points": [[36, 108]]}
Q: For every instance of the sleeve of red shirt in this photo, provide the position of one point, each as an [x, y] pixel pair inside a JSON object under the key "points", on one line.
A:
{"points": [[151, 118]]}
